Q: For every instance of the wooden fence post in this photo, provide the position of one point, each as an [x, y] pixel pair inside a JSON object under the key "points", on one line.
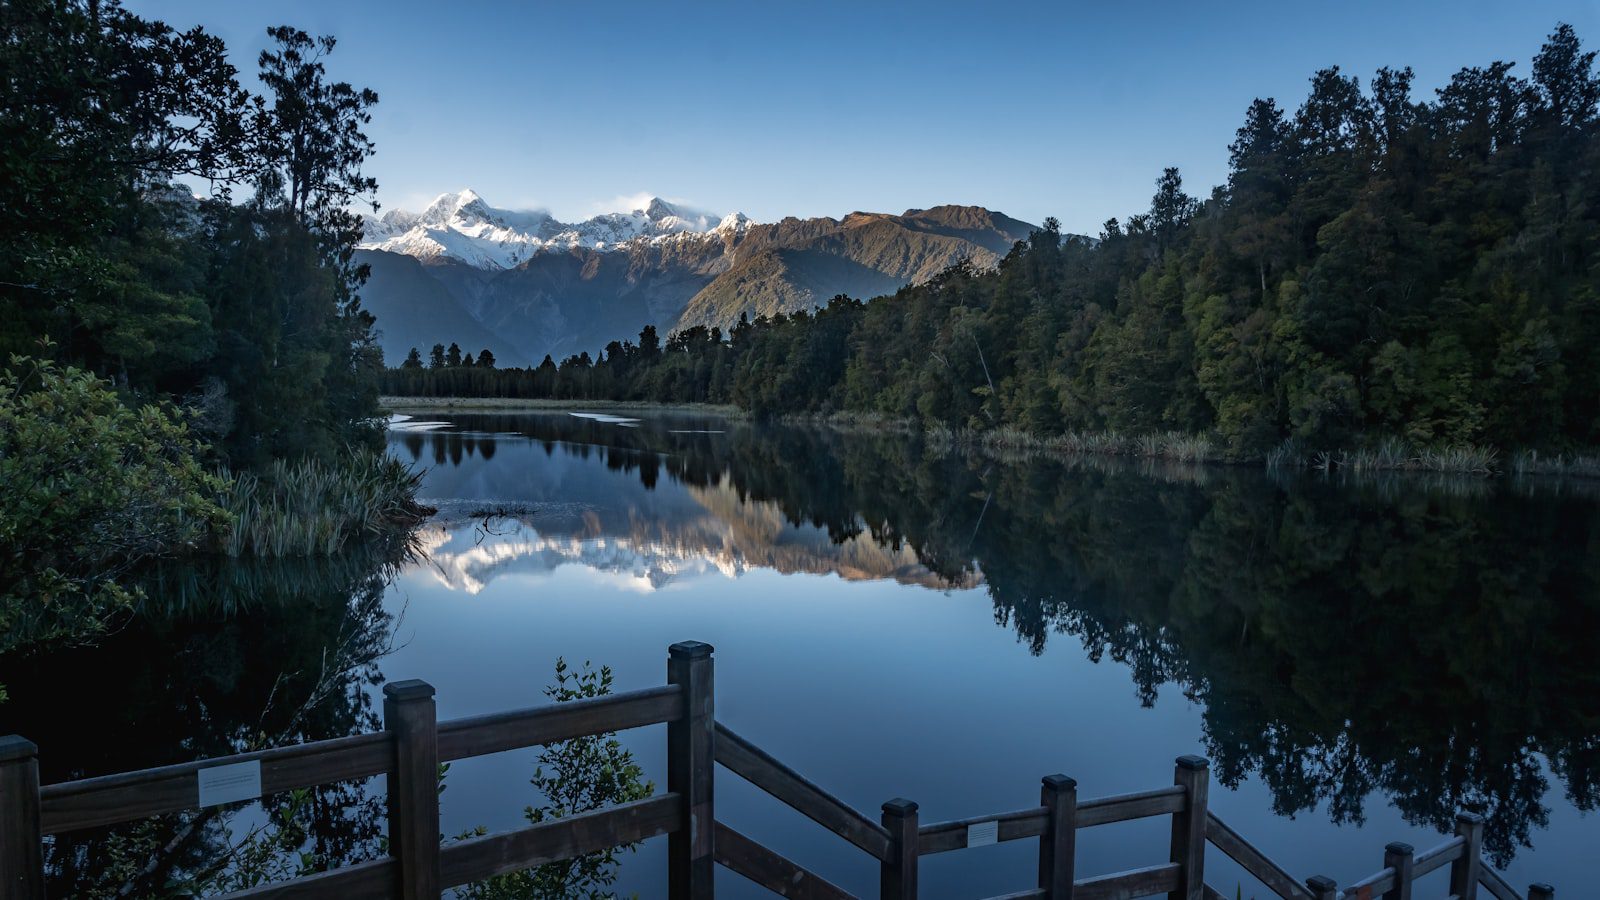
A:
{"points": [[691, 868], [410, 715], [897, 876], [1323, 887], [1541, 891], [1400, 857], [1058, 845], [21, 844], [1464, 871], [1189, 828]]}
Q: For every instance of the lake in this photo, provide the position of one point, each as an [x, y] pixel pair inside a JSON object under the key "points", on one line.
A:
{"points": [[1359, 658]]}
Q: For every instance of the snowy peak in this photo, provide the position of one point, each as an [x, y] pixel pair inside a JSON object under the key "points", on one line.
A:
{"points": [[463, 226]]}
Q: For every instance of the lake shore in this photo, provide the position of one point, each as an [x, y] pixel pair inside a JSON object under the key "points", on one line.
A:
{"points": [[1172, 447], [392, 404]]}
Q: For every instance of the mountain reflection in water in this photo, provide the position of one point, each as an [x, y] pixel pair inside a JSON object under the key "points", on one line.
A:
{"points": [[1426, 640], [1395, 648]]}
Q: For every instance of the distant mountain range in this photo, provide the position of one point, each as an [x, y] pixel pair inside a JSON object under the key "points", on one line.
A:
{"points": [[524, 285]]}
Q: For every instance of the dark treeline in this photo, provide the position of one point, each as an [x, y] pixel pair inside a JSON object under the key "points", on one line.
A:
{"points": [[177, 374], [1377, 266], [244, 312]]}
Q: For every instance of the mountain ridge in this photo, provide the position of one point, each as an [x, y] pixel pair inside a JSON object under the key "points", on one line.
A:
{"points": [[547, 287]]}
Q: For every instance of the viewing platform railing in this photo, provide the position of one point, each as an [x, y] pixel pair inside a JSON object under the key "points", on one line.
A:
{"points": [[413, 744]]}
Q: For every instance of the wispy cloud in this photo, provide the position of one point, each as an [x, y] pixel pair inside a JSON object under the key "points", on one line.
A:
{"points": [[625, 203]]}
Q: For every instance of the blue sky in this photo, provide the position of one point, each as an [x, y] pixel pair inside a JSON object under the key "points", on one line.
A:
{"points": [[1066, 109]]}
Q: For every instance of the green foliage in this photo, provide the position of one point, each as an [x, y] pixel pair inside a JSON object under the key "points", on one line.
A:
{"points": [[309, 507], [1377, 266], [573, 776], [89, 487]]}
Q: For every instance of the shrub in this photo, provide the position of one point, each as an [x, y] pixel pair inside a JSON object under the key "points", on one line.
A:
{"points": [[88, 488]]}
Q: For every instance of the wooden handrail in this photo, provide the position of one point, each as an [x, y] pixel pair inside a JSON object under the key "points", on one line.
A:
{"points": [[373, 880], [1440, 856], [127, 796], [1497, 886], [755, 766], [1126, 807], [413, 744], [942, 837], [539, 725], [1132, 883], [475, 859], [766, 868], [1254, 861], [123, 797]]}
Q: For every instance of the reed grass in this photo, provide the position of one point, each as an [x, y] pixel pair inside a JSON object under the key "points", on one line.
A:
{"points": [[308, 507]]}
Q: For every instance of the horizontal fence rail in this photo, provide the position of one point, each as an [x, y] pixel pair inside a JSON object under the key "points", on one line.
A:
{"points": [[412, 745]]}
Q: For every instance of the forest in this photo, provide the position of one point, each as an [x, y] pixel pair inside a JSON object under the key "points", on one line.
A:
{"points": [[178, 375], [1379, 270]]}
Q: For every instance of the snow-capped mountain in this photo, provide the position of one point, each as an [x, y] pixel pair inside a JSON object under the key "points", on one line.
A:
{"points": [[524, 284], [461, 226]]}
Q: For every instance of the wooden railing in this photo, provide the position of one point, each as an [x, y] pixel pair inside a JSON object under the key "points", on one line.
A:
{"points": [[413, 744]]}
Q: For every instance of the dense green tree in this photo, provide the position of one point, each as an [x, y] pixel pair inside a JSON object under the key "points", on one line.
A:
{"points": [[1376, 266]]}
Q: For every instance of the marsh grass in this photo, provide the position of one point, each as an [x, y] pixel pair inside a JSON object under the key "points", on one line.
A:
{"points": [[308, 507]]}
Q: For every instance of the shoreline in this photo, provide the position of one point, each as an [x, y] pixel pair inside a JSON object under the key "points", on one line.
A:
{"points": [[516, 404], [1008, 443]]}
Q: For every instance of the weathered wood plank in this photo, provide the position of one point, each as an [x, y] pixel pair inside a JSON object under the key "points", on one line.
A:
{"points": [[1438, 857], [127, 796], [535, 726], [691, 771], [1125, 807], [475, 859], [942, 837], [375, 880], [1058, 844], [1254, 861], [897, 874], [410, 715], [1144, 882], [1468, 867], [1401, 859], [771, 871], [755, 766], [1193, 774], [21, 847], [1491, 881], [1374, 885], [1030, 894]]}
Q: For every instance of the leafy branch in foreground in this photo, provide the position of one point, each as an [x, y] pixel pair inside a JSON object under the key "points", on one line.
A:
{"points": [[573, 776]]}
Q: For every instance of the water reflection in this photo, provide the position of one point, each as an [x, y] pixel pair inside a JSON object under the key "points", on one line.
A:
{"points": [[1423, 641], [223, 658], [1420, 642]]}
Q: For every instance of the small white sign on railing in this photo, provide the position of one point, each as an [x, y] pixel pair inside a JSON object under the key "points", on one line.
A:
{"points": [[983, 834], [229, 784]]}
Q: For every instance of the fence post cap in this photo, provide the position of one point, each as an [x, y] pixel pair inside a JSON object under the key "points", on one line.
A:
{"points": [[1193, 763], [900, 806], [1468, 818], [1321, 883], [1541, 889], [410, 689], [1059, 782], [1399, 848], [15, 746], [690, 650]]}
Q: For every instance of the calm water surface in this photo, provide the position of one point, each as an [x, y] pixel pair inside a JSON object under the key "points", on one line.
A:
{"points": [[1358, 659]]}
